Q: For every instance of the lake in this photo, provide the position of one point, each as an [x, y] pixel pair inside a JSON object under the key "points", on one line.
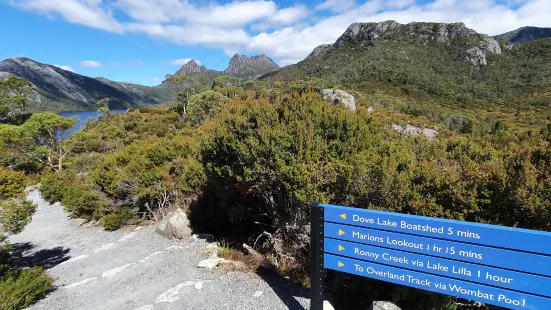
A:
{"points": [[83, 117]]}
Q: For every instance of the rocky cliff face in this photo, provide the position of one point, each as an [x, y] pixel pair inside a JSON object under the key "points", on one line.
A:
{"points": [[192, 68], [250, 67], [367, 34], [245, 67], [525, 34], [59, 90]]}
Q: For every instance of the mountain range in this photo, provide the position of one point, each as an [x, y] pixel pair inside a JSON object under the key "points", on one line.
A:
{"points": [[59, 90], [525, 34], [435, 59], [244, 67]]}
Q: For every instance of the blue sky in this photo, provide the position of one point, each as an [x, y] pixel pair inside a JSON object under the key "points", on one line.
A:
{"points": [[140, 41]]}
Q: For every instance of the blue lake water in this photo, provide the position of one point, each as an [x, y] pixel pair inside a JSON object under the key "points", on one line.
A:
{"points": [[83, 117]]}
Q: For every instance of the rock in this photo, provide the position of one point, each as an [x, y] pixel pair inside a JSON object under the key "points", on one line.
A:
{"points": [[209, 263], [205, 237], [383, 305], [491, 45], [233, 265], [212, 250], [477, 57], [174, 225], [320, 50], [327, 305], [410, 130], [338, 96], [257, 294]]}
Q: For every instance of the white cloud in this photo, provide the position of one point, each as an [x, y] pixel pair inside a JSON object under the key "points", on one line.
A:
{"points": [[66, 68], [155, 79], [91, 64], [181, 62], [290, 15], [336, 5], [89, 13]]}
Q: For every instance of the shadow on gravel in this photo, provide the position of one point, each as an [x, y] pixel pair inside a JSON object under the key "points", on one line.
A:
{"points": [[22, 254], [285, 290]]}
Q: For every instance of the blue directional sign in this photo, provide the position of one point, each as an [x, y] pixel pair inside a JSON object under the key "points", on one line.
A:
{"points": [[533, 263], [462, 289], [483, 234], [512, 280], [496, 265]]}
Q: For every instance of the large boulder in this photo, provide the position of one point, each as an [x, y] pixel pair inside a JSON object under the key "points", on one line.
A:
{"points": [[337, 96], [174, 225], [383, 305]]}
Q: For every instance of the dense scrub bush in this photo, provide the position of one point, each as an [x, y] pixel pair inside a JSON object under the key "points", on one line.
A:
{"points": [[53, 185], [115, 221], [12, 183], [205, 105], [266, 161], [20, 288]]}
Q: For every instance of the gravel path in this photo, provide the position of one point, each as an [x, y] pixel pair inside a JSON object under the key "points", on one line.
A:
{"points": [[95, 269]]}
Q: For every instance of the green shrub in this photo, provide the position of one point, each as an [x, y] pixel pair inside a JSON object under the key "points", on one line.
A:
{"points": [[19, 289], [53, 185], [15, 214], [113, 222], [12, 183], [81, 201], [266, 161]]}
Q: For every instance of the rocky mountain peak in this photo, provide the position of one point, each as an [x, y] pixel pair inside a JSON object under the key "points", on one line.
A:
{"points": [[250, 67], [367, 34], [439, 32], [191, 68]]}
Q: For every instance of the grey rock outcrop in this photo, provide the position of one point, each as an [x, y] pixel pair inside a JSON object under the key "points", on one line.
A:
{"points": [[320, 50], [525, 34], [174, 225], [338, 96], [410, 130], [383, 305]]}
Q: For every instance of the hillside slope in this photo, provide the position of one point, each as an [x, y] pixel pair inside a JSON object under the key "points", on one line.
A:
{"points": [[58, 90], [448, 61], [525, 34]]}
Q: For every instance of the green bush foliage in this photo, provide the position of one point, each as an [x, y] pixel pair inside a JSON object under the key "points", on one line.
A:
{"points": [[12, 183], [53, 186], [115, 221], [19, 289]]}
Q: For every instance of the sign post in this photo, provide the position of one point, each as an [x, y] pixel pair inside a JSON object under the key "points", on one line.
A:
{"points": [[316, 257], [502, 266]]}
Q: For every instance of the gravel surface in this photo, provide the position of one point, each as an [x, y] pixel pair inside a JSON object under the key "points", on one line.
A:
{"points": [[95, 269]]}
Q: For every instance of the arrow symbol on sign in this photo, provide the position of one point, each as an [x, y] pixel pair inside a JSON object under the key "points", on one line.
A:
{"points": [[340, 264], [343, 216], [341, 248], [341, 232]]}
